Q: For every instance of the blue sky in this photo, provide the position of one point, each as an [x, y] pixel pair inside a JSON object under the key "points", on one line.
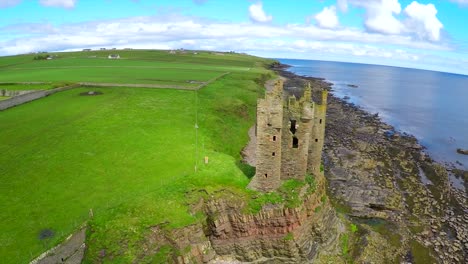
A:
{"points": [[427, 34]]}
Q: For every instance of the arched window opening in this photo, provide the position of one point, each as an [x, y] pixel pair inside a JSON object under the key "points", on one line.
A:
{"points": [[266, 175], [320, 121], [316, 140], [273, 154], [274, 138]]}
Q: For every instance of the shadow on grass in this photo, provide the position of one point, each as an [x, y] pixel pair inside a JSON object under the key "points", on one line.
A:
{"points": [[248, 170]]}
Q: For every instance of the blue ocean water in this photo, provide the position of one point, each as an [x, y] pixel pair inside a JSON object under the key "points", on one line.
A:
{"points": [[432, 106]]}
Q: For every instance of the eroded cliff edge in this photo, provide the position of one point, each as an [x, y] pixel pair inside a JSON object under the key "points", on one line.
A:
{"points": [[276, 233]]}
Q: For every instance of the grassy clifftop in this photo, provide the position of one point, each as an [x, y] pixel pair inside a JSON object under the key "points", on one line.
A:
{"points": [[128, 154]]}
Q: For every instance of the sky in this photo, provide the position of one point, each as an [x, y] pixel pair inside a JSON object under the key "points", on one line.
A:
{"points": [[424, 34]]}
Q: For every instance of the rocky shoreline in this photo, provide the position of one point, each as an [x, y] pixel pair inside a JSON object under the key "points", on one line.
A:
{"points": [[382, 179]]}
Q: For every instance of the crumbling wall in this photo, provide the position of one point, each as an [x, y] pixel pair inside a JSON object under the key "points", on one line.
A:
{"points": [[289, 138], [298, 124], [268, 152], [318, 136]]}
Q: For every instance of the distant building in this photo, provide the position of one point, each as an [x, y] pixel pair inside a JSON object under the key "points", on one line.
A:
{"points": [[102, 48], [86, 49], [113, 56]]}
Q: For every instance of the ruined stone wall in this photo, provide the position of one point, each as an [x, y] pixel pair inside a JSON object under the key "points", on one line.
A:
{"points": [[268, 152], [318, 136], [297, 123], [11, 93]]}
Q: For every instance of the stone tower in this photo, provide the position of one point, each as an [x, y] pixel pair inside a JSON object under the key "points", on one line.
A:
{"points": [[298, 118], [269, 129], [289, 138], [318, 136]]}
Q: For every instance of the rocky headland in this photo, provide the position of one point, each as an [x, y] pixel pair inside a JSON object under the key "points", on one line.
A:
{"points": [[384, 182], [380, 199]]}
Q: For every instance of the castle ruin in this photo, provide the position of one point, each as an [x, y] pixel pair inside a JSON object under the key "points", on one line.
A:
{"points": [[290, 136]]}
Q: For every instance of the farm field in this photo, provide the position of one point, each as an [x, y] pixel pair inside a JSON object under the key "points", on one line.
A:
{"points": [[134, 67], [128, 154]]}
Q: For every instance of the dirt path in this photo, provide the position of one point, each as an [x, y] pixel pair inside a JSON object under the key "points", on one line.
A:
{"points": [[248, 153], [70, 252]]}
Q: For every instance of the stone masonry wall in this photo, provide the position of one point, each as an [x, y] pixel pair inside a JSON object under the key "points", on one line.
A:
{"points": [[289, 138], [297, 120], [318, 136], [268, 152]]}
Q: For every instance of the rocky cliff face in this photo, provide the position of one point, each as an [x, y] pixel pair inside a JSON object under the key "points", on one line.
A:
{"points": [[276, 233]]}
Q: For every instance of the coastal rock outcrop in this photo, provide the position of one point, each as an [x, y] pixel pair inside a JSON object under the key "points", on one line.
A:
{"points": [[276, 234], [462, 151], [382, 179]]}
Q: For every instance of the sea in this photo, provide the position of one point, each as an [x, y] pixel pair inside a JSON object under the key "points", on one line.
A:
{"points": [[430, 105]]}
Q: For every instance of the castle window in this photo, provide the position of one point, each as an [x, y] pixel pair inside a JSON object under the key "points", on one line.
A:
{"points": [[293, 127], [274, 138], [266, 175], [295, 143], [320, 121], [316, 140], [273, 154]]}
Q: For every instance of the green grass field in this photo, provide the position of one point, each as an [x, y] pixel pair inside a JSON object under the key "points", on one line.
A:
{"points": [[129, 154], [134, 67]]}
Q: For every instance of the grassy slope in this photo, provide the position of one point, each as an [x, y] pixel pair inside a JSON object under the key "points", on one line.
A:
{"points": [[128, 154]]}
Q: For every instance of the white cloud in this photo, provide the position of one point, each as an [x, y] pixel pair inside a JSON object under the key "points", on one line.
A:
{"points": [[257, 14], [176, 31], [59, 3], [380, 15], [384, 16], [9, 3], [327, 18], [422, 21]]}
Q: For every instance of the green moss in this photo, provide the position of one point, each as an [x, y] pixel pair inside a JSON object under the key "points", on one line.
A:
{"points": [[386, 229], [421, 254], [344, 245], [310, 180], [256, 203], [290, 192], [289, 236], [163, 255], [323, 199]]}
